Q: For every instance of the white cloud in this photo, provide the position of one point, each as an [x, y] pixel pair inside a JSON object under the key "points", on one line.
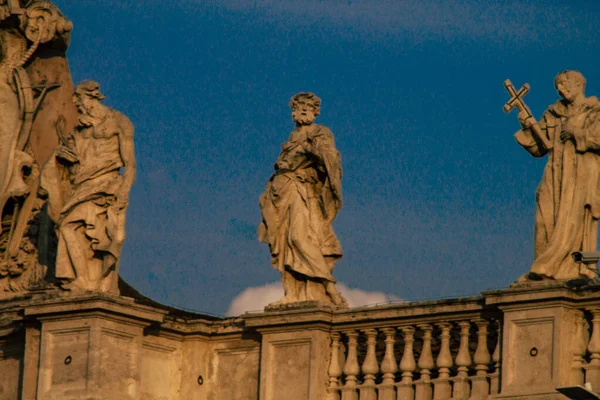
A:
{"points": [[257, 297], [361, 298]]}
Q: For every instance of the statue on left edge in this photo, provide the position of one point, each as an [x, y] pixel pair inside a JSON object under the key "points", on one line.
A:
{"points": [[87, 181], [35, 89]]}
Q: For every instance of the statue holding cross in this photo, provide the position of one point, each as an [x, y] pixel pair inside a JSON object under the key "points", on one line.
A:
{"points": [[568, 197]]}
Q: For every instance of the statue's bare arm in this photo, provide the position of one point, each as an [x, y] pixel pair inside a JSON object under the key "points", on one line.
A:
{"points": [[126, 148]]}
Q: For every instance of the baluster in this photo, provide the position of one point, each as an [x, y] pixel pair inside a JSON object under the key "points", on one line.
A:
{"points": [[482, 358], [370, 368], [335, 368], [388, 366], [496, 358], [342, 354], [442, 389], [592, 370], [581, 338], [423, 385], [407, 365], [351, 368], [463, 360]]}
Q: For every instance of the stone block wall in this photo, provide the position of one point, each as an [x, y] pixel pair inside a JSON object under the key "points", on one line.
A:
{"points": [[510, 344]]}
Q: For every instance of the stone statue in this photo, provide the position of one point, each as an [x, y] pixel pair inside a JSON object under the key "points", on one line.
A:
{"points": [[88, 181], [568, 197], [299, 204], [34, 83]]}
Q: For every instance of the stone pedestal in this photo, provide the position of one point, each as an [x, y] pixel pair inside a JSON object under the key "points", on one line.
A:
{"points": [[89, 348], [540, 338], [295, 353]]}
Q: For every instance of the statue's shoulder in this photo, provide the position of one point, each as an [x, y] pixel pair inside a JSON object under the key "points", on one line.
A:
{"points": [[122, 120], [593, 103], [118, 115], [555, 110], [322, 130], [593, 108]]}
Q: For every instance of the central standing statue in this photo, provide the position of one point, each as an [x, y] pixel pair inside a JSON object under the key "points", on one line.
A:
{"points": [[300, 202]]}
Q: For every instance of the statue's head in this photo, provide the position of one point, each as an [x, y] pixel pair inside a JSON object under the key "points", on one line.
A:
{"points": [[87, 95], [570, 85], [305, 108]]}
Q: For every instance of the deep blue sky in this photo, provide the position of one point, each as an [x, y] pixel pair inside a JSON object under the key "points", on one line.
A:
{"points": [[439, 198]]}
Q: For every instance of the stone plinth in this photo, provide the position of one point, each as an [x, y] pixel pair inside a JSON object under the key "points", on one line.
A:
{"points": [[105, 347], [295, 352], [92, 347], [541, 338]]}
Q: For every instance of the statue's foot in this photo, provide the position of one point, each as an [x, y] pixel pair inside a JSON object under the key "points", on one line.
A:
{"points": [[532, 276], [73, 286], [278, 303], [67, 285], [582, 282], [338, 300]]}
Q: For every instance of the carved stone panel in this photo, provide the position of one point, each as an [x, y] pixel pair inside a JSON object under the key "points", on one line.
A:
{"points": [[118, 362], [237, 373], [160, 374], [533, 349], [294, 365], [291, 378], [66, 360], [537, 343]]}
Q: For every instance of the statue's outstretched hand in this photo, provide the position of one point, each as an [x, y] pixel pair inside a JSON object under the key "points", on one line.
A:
{"points": [[526, 120]]}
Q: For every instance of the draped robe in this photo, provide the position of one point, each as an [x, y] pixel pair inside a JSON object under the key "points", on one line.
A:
{"points": [[91, 230], [568, 197], [301, 200]]}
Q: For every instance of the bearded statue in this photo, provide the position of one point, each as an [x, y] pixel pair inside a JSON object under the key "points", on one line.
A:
{"points": [[298, 206], [88, 179]]}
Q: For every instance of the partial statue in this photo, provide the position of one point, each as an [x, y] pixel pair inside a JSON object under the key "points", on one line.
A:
{"points": [[87, 181], [568, 197], [299, 204], [34, 79]]}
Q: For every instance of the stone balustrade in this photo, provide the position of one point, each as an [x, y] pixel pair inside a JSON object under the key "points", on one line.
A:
{"points": [[585, 366], [521, 342], [458, 356], [454, 357]]}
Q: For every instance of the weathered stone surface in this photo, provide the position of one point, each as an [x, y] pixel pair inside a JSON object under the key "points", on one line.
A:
{"points": [[300, 202], [311, 304]]}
